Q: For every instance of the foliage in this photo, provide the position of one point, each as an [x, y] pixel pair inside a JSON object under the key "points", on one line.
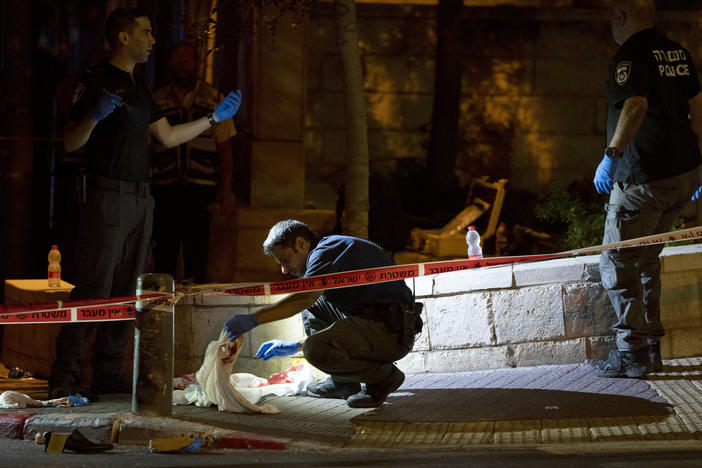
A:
{"points": [[678, 225], [580, 220], [241, 19]]}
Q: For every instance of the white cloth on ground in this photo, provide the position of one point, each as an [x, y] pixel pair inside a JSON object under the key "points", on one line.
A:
{"points": [[16, 400], [213, 377]]}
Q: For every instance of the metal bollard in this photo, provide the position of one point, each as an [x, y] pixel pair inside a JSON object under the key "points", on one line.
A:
{"points": [[152, 392]]}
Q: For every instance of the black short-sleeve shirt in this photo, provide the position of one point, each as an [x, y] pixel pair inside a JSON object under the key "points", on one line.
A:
{"points": [[649, 64], [334, 254], [117, 147]]}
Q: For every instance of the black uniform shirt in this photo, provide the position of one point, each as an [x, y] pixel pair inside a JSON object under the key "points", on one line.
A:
{"points": [[334, 254], [117, 146], [651, 65]]}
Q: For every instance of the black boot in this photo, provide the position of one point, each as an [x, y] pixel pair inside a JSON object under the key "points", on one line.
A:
{"points": [[633, 364], [376, 393], [331, 389], [654, 355]]}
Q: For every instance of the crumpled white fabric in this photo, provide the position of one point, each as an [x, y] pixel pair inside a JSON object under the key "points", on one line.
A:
{"points": [[213, 378], [16, 400], [293, 381]]}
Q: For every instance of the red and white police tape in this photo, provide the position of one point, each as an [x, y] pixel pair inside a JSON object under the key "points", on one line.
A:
{"points": [[123, 308], [94, 310]]}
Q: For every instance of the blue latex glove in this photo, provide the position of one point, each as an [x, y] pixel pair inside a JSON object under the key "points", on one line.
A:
{"points": [[604, 173], [229, 106], [75, 400], [697, 193], [240, 324], [276, 348], [105, 105]]}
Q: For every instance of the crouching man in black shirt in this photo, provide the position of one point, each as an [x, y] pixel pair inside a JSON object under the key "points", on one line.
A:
{"points": [[354, 334]]}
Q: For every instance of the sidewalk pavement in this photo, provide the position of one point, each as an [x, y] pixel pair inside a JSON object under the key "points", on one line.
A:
{"points": [[563, 405]]}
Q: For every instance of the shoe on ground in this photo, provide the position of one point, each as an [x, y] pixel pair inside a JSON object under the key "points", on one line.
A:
{"points": [[375, 394], [632, 364], [654, 355], [331, 389], [75, 442]]}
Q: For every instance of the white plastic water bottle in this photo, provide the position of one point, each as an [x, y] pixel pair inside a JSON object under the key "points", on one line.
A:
{"points": [[54, 267], [473, 240]]}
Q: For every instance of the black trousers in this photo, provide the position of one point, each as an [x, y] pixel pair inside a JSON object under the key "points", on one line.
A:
{"points": [[181, 216], [112, 243], [349, 349]]}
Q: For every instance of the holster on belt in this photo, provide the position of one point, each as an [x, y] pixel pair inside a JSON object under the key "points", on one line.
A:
{"points": [[412, 323], [405, 322]]}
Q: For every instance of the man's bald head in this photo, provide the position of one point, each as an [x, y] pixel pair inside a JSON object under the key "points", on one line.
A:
{"points": [[630, 17]]}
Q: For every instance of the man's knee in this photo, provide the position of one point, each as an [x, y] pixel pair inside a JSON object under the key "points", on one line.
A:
{"points": [[317, 352]]}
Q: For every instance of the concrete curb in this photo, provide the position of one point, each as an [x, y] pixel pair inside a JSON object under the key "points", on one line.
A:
{"points": [[131, 429], [12, 424]]}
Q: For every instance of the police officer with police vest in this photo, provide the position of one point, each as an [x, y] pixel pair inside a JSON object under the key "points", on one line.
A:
{"points": [[354, 334], [191, 179], [113, 113], [651, 168]]}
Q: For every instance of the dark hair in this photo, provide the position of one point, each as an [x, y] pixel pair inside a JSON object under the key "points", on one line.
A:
{"points": [[121, 19], [285, 233]]}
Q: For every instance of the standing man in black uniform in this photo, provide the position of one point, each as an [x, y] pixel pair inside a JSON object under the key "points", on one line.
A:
{"points": [[112, 114], [651, 167], [356, 333]]}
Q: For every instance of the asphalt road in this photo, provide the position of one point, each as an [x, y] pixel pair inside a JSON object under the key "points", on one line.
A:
{"points": [[24, 453]]}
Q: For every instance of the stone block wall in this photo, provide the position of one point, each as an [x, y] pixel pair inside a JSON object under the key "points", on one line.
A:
{"points": [[532, 102], [550, 312]]}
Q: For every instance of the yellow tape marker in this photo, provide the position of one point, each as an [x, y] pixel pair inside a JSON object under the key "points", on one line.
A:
{"points": [[57, 442], [171, 444]]}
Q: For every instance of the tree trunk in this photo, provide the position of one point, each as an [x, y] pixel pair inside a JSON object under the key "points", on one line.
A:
{"points": [[355, 220], [447, 95]]}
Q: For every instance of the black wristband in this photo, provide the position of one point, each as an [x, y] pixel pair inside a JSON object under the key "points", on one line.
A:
{"points": [[211, 120]]}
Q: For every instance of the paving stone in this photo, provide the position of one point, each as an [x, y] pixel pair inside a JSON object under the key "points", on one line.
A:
{"points": [[614, 429], [550, 379], [517, 432], [381, 434], [560, 431], [425, 434], [666, 428], [693, 423], [524, 405], [468, 433]]}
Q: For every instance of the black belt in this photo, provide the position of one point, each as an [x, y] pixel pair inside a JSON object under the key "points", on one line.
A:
{"points": [[122, 186]]}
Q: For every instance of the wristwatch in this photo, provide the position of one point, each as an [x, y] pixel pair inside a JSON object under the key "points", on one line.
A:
{"points": [[211, 120], [612, 152]]}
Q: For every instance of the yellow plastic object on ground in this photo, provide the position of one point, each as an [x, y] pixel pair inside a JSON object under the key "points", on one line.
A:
{"points": [[170, 444], [57, 442]]}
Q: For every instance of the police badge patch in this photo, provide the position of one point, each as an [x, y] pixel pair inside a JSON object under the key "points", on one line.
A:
{"points": [[621, 75], [78, 92]]}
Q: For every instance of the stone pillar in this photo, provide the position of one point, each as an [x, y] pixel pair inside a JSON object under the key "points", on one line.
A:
{"points": [[277, 84], [152, 394]]}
